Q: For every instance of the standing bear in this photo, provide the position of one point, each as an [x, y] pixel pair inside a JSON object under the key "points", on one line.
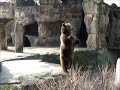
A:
{"points": [[68, 42]]}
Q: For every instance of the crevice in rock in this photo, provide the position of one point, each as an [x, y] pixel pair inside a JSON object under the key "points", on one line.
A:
{"points": [[82, 34]]}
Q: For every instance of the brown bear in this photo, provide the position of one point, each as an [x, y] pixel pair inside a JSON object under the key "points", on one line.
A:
{"points": [[68, 42]]}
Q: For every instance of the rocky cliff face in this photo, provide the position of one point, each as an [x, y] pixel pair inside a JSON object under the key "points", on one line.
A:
{"points": [[96, 20], [114, 27], [102, 23]]}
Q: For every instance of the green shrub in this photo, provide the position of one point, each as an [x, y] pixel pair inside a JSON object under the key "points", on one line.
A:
{"points": [[9, 87], [103, 58]]}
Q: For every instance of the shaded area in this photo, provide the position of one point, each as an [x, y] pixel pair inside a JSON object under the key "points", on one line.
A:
{"points": [[82, 34], [9, 41], [113, 35], [50, 58], [31, 30], [65, 2], [26, 42], [5, 71], [25, 3]]}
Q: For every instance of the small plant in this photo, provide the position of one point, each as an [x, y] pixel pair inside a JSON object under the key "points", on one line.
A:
{"points": [[9, 87], [103, 58]]}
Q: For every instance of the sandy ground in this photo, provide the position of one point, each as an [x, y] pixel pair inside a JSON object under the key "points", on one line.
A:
{"points": [[27, 71]]}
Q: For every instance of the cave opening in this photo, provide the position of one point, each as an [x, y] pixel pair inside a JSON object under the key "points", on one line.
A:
{"points": [[30, 30], [82, 34]]}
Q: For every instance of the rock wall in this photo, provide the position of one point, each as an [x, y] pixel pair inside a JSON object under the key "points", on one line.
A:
{"points": [[6, 10], [101, 21], [3, 44], [9, 28], [49, 16], [114, 28], [25, 15], [96, 20], [3, 33], [6, 13], [49, 33]]}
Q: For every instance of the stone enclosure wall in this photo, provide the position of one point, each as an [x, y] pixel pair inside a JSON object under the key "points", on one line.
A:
{"points": [[6, 14], [101, 23], [49, 17], [96, 19], [114, 27]]}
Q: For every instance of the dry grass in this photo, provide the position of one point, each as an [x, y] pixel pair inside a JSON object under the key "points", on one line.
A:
{"points": [[80, 80]]}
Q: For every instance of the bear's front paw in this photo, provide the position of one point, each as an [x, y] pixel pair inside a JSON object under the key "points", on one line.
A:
{"points": [[70, 37]]}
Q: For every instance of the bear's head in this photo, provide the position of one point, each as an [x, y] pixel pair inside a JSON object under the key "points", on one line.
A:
{"points": [[66, 28]]}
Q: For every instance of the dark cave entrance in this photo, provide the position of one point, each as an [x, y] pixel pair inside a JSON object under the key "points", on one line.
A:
{"points": [[82, 33], [30, 30]]}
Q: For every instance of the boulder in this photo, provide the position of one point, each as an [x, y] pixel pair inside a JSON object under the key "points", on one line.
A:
{"points": [[117, 75]]}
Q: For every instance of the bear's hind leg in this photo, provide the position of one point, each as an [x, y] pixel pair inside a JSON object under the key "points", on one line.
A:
{"points": [[69, 63], [63, 64]]}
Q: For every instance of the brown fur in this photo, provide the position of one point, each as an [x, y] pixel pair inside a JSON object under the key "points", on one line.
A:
{"points": [[68, 41]]}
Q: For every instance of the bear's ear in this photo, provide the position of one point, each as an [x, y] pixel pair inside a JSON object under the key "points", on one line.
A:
{"points": [[63, 24]]}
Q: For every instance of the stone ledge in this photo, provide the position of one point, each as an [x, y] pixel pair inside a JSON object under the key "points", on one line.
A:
{"points": [[11, 56]]}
